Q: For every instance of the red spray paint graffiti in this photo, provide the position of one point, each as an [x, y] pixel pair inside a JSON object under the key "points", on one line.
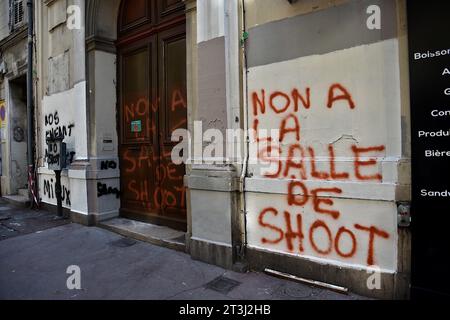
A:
{"points": [[300, 164], [151, 180]]}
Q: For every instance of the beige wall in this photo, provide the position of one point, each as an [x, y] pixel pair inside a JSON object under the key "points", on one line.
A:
{"points": [[4, 18], [264, 11]]}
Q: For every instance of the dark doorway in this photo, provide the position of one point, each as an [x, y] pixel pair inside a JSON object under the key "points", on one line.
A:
{"points": [[18, 133], [152, 104]]}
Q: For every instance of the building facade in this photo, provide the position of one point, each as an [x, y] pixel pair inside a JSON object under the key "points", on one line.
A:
{"points": [[318, 200], [13, 98]]}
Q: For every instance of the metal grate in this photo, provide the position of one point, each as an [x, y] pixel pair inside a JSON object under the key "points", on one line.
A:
{"points": [[18, 12], [222, 285]]}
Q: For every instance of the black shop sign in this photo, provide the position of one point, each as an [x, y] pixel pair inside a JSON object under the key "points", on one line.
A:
{"points": [[429, 61]]}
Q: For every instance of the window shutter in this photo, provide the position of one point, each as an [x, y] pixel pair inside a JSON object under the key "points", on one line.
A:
{"points": [[16, 13], [19, 12]]}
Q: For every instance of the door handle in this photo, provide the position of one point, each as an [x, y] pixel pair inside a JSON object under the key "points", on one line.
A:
{"points": [[134, 148]]}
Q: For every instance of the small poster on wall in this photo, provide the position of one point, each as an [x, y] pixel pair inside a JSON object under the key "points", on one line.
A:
{"points": [[2, 114], [136, 126]]}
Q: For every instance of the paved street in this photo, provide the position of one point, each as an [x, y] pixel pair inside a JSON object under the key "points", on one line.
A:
{"points": [[18, 221], [37, 248]]}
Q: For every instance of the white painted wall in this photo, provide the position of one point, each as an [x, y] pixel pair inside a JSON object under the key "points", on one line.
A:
{"points": [[211, 224], [370, 73], [66, 105], [353, 212], [47, 183]]}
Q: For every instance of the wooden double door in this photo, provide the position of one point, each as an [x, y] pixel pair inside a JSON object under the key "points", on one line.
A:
{"points": [[152, 104]]}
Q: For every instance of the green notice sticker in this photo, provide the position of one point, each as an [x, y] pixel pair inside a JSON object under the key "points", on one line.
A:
{"points": [[136, 126]]}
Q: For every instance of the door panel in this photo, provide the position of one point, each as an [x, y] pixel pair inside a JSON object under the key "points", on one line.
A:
{"points": [[138, 180], [139, 144], [135, 96], [173, 116], [135, 13], [169, 8]]}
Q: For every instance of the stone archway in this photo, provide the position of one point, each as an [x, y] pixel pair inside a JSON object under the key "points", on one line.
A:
{"points": [[101, 20]]}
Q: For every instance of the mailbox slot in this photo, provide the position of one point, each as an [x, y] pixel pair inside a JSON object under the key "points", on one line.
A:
{"points": [[56, 154]]}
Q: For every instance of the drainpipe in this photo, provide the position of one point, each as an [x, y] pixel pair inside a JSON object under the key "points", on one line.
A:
{"points": [[234, 102], [30, 106], [245, 164], [245, 106]]}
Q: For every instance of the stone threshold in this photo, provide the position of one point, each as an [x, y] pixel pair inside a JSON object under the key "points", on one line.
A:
{"points": [[18, 201], [153, 234]]}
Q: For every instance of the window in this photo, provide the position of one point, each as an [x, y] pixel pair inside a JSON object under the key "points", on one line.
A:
{"points": [[17, 13]]}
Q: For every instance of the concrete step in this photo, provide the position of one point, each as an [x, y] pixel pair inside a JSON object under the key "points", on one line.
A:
{"points": [[18, 201], [157, 235], [24, 193]]}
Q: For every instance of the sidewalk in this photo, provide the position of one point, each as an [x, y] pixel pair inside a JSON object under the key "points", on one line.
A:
{"points": [[34, 260]]}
